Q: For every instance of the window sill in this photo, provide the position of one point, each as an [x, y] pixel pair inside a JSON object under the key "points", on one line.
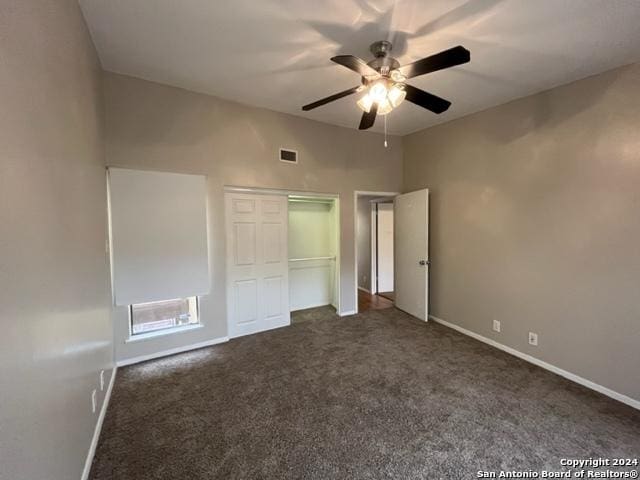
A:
{"points": [[161, 333]]}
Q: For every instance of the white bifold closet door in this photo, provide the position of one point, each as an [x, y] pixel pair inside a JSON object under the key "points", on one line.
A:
{"points": [[257, 263]]}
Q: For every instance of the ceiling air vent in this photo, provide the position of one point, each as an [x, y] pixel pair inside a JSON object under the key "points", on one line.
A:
{"points": [[289, 156]]}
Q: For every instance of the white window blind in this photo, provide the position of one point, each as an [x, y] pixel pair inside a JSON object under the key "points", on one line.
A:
{"points": [[159, 235]]}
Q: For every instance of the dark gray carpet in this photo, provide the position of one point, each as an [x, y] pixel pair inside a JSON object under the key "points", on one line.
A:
{"points": [[376, 395], [311, 314]]}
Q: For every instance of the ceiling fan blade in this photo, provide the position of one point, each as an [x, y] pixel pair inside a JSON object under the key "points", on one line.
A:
{"points": [[356, 64], [331, 98], [369, 118], [426, 99], [445, 59]]}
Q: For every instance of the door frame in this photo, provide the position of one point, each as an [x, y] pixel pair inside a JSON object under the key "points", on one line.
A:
{"points": [[356, 194], [302, 193]]}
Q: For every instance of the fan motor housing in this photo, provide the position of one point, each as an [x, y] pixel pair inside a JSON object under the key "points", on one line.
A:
{"points": [[381, 48], [383, 62]]}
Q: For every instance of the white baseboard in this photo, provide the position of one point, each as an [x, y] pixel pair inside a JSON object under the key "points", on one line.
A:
{"points": [[98, 428], [347, 313], [171, 351], [268, 329], [364, 289], [540, 363], [313, 305]]}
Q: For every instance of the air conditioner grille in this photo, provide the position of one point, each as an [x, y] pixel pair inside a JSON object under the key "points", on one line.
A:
{"points": [[288, 155]]}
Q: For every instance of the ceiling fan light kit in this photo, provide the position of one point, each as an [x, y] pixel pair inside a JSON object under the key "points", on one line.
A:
{"points": [[388, 95], [383, 81]]}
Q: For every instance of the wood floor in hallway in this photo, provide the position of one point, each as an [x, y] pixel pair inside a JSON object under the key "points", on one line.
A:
{"points": [[367, 301]]}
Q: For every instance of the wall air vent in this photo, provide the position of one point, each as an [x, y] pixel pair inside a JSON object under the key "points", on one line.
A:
{"points": [[289, 156]]}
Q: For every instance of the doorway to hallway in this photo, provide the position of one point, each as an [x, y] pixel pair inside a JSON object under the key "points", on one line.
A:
{"points": [[382, 248], [374, 245], [392, 249]]}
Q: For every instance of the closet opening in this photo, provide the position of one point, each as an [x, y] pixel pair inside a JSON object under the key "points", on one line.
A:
{"points": [[283, 256], [313, 236]]}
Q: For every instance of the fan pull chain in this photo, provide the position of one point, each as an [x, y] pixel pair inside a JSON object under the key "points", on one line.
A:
{"points": [[385, 131]]}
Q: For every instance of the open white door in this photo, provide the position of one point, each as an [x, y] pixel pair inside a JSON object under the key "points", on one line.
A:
{"points": [[257, 264], [411, 213]]}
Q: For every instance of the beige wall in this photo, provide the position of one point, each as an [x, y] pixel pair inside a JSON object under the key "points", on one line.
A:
{"points": [[157, 127], [54, 283], [535, 221]]}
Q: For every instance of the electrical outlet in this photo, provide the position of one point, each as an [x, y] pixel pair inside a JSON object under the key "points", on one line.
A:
{"points": [[496, 326], [93, 401], [101, 380], [533, 339]]}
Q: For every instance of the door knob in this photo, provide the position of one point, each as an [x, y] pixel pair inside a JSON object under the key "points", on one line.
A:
{"points": [[424, 262]]}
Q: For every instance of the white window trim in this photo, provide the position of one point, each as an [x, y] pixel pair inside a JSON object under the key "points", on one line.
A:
{"points": [[165, 331], [161, 333]]}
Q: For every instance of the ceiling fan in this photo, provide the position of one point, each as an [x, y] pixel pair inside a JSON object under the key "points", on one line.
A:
{"points": [[384, 81]]}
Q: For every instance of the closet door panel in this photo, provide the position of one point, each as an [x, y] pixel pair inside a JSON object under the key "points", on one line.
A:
{"points": [[257, 267]]}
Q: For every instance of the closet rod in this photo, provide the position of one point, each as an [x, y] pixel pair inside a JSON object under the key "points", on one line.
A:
{"points": [[311, 258], [305, 200]]}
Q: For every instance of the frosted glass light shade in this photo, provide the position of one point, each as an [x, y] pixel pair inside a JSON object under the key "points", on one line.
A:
{"points": [[378, 92], [392, 97], [365, 103], [396, 95]]}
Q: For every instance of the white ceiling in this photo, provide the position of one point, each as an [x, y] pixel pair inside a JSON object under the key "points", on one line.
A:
{"points": [[275, 53]]}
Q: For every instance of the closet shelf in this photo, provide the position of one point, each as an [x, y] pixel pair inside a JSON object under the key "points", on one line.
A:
{"points": [[311, 258]]}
